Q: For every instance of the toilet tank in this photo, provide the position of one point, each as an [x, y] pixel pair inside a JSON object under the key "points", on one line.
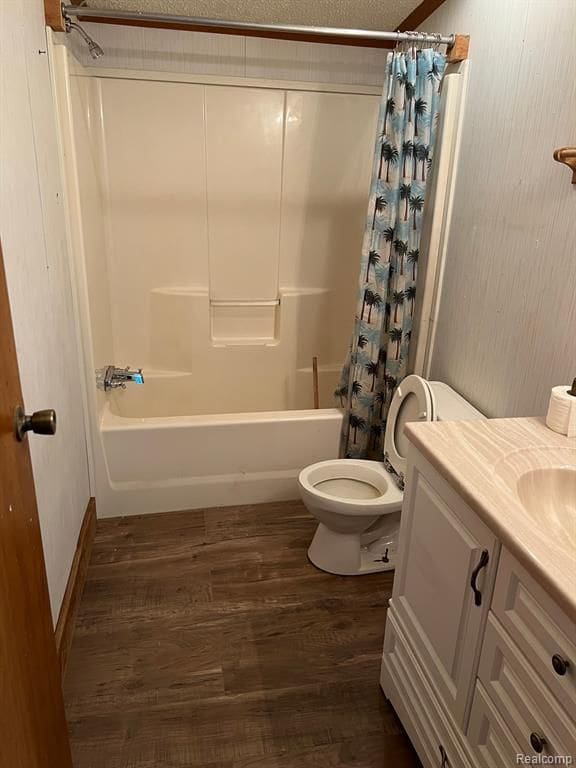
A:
{"points": [[450, 406]]}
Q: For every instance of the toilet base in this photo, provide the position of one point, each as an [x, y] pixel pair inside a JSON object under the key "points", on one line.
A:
{"points": [[344, 554]]}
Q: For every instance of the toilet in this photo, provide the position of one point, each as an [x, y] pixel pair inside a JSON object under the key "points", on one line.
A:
{"points": [[357, 502]]}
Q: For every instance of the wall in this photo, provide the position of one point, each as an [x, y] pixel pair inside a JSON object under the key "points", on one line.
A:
{"points": [[92, 240], [507, 317], [169, 50], [34, 245]]}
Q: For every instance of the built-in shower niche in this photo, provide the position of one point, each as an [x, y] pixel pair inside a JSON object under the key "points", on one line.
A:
{"points": [[244, 321], [185, 322], [253, 355]]}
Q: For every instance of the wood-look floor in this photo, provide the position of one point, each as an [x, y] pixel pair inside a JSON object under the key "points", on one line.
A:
{"points": [[206, 638]]}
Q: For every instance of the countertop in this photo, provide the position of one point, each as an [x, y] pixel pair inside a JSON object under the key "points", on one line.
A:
{"points": [[471, 455]]}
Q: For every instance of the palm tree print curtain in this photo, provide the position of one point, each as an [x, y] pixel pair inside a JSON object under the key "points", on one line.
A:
{"points": [[389, 265]]}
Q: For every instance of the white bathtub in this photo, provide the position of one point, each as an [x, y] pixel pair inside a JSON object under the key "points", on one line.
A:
{"points": [[162, 463]]}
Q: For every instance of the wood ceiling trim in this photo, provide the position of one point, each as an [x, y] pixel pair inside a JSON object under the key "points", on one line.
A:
{"points": [[419, 15], [53, 15]]}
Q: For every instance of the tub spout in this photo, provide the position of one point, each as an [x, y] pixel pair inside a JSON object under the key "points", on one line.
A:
{"points": [[111, 377]]}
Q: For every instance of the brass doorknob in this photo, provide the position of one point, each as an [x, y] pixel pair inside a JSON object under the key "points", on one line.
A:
{"points": [[41, 423]]}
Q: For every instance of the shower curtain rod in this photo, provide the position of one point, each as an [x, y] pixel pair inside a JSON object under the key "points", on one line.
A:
{"points": [[457, 44]]}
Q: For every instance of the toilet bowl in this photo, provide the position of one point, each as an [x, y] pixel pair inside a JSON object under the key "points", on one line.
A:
{"points": [[357, 503]]}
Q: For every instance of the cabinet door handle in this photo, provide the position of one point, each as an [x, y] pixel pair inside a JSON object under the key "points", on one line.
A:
{"points": [[537, 742], [444, 757], [560, 665], [482, 563]]}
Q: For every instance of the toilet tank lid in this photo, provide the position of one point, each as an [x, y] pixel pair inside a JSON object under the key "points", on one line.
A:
{"points": [[450, 406]]}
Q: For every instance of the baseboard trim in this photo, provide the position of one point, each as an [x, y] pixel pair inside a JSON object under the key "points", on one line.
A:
{"points": [[75, 586]]}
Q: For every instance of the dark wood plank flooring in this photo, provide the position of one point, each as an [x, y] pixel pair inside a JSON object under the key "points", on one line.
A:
{"points": [[206, 638]]}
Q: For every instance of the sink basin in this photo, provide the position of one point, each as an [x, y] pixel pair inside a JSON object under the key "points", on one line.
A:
{"points": [[544, 481], [549, 497]]}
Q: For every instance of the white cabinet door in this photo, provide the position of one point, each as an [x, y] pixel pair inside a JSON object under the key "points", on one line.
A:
{"points": [[443, 584]]}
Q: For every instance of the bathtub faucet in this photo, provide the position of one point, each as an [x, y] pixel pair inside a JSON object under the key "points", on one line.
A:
{"points": [[110, 377]]}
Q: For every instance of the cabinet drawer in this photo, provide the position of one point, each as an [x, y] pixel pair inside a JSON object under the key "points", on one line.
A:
{"points": [[438, 742], [538, 627], [488, 734], [524, 703]]}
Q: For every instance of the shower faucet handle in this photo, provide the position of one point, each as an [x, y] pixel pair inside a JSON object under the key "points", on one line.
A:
{"points": [[111, 377]]}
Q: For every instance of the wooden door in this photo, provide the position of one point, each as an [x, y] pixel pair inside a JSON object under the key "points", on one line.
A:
{"points": [[34, 733], [443, 546]]}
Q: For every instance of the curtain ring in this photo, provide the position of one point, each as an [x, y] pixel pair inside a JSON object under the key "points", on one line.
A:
{"points": [[422, 42]]}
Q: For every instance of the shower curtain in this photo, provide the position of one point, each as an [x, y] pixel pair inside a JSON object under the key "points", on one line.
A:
{"points": [[387, 282]]}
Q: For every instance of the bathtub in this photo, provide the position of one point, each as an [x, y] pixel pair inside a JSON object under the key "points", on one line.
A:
{"points": [[153, 462]]}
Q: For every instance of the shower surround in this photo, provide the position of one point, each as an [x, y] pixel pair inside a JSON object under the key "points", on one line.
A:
{"points": [[216, 224]]}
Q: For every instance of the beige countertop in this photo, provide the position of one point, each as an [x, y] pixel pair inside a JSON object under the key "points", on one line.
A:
{"points": [[481, 460]]}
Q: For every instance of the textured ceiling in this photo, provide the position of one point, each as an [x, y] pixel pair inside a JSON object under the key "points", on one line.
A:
{"points": [[358, 14]]}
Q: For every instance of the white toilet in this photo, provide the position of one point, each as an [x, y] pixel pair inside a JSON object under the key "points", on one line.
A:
{"points": [[358, 502]]}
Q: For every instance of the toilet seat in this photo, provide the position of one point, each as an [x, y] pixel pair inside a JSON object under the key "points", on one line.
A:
{"points": [[412, 401], [368, 473]]}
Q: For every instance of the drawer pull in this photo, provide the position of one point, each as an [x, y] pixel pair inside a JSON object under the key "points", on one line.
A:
{"points": [[445, 762], [560, 665], [482, 563], [538, 742]]}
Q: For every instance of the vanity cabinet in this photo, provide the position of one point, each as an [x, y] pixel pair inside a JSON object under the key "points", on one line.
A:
{"points": [[443, 584], [478, 661]]}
